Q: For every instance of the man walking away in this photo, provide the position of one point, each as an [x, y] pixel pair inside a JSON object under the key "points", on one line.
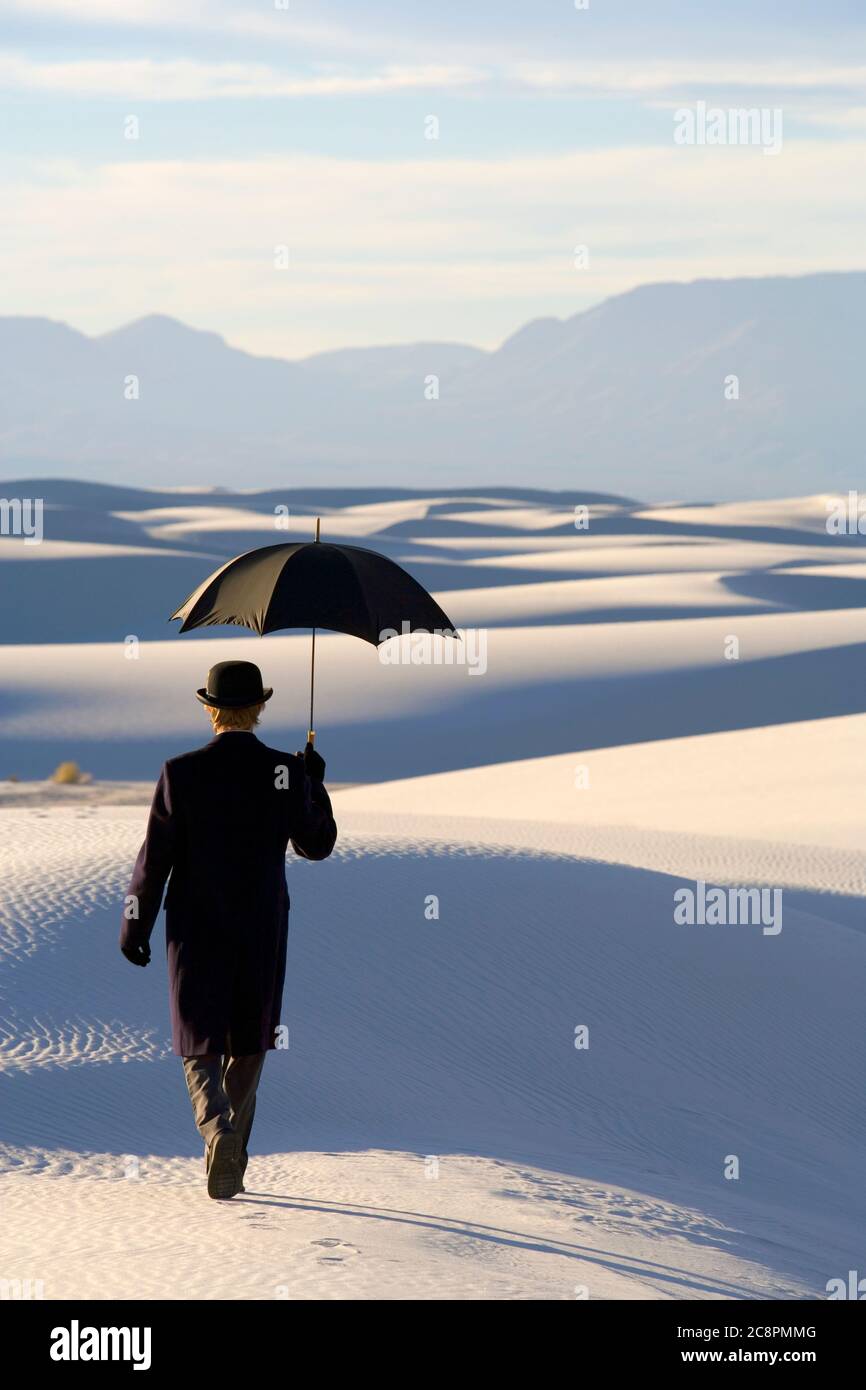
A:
{"points": [[220, 824]]}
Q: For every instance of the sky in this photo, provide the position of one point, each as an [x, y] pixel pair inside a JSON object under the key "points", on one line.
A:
{"points": [[300, 175]]}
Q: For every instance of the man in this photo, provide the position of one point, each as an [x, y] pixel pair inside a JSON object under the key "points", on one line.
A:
{"points": [[220, 823]]}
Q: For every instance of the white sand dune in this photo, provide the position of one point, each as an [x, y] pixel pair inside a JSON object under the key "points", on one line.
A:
{"points": [[617, 596], [796, 513], [578, 542], [677, 557], [11, 549], [432, 1131], [436, 1039], [789, 784], [358, 520], [108, 692]]}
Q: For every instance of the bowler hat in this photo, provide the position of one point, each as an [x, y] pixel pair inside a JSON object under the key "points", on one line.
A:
{"points": [[234, 685]]}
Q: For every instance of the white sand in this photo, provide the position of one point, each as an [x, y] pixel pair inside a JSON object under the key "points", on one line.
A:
{"points": [[432, 1131]]}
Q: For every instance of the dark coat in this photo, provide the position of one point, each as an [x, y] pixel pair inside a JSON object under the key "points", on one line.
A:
{"points": [[220, 824]]}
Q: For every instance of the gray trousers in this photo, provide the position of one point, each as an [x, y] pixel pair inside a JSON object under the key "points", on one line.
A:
{"points": [[223, 1094]]}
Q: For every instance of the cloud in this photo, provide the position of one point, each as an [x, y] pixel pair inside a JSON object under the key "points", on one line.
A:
{"points": [[98, 11], [144, 79], [409, 249], [653, 84], [848, 118], [219, 18], [654, 77]]}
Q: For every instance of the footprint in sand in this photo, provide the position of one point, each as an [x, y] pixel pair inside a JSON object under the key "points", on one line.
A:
{"points": [[341, 1250], [259, 1219]]}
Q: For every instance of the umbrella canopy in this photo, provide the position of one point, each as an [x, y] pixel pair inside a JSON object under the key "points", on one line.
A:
{"points": [[344, 588]]}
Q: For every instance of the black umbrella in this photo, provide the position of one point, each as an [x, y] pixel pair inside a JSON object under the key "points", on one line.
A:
{"points": [[344, 588]]}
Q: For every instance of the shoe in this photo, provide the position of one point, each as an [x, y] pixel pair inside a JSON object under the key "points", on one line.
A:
{"points": [[242, 1163], [223, 1174]]}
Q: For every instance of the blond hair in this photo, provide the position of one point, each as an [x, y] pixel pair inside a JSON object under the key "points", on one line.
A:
{"points": [[244, 720]]}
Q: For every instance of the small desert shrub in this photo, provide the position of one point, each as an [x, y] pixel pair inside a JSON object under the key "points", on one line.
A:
{"points": [[66, 773]]}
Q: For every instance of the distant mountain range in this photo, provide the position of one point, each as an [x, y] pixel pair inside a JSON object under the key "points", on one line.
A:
{"points": [[632, 396]]}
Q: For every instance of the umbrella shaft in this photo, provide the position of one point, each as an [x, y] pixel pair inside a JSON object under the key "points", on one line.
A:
{"points": [[311, 732]]}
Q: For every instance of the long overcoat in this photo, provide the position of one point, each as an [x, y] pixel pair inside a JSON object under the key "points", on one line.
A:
{"points": [[219, 827]]}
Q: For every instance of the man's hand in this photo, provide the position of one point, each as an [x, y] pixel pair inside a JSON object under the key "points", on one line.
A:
{"points": [[314, 764], [138, 955]]}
